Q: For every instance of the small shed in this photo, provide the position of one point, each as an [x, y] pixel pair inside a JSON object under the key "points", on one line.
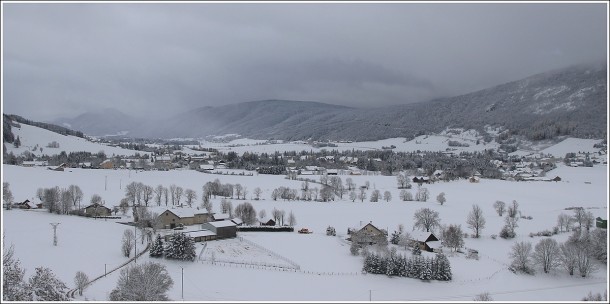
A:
{"points": [[268, 222], [426, 241], [27, 204]]}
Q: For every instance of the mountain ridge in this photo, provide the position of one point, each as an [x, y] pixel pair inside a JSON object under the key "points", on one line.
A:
{"points": [[568, 101]]}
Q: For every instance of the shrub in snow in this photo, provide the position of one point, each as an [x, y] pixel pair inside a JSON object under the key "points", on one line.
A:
{"points": [[507, 233], [416, 250], [46, 287], [181, 247], [147, 281], [156, 250], [483, 297], [596, 297]]}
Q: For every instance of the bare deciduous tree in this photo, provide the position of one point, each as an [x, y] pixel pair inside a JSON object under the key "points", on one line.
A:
{"points": [[475, 220], [580, 217], [422, 194], [179, 192], [513, 209], [128, 242], [453, 237], [426, 218], [172, 193], [569, 257], [96, 199], [375, 195], [76, 194], [238, 190], [387, 196], [158, 194], [349, 182], [585, 262], [66, 201], [190, 196], [276, 214], [206, 203], [520, 254], [362, 195], [246, 212], [80, 281], [257, 193], [441, 198], [226, 206], [500, 206], [147, 194], [292, 220], [564, 222], [547, 254], [51, 198]]}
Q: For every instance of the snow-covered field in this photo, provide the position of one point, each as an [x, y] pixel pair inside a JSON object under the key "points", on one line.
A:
{"points": [[327, 270], [31, 137]]}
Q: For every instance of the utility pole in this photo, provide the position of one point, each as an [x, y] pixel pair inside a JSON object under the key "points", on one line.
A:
{"points": [[105, 182], [55, 233], [370, 295], [105, 270]]}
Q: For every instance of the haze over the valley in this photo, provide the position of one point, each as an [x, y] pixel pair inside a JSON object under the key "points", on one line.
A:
{"points": [[61, 60]]}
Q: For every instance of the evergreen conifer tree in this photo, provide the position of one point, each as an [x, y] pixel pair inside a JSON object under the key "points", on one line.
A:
{"points": [[395, 238], [156, 250], [443, 268], [416, 250], [426, 270], [181, 247]]}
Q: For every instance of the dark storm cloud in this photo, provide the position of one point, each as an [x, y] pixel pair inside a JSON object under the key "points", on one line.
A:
{"points": [[159, 59]]}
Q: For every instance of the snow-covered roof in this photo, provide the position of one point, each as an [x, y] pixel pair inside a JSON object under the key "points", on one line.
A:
{"points": [[220, 224], [221, 216], [420, 236], [180, 212], [434, 244], [200, 233], [237, 221], [206, 167]]}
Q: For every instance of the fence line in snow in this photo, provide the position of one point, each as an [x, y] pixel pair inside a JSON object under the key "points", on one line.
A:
{"points": [[287, 260], [284, 269]]}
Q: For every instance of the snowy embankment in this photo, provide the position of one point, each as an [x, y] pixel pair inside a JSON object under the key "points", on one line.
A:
{"points": [[86, 244]]}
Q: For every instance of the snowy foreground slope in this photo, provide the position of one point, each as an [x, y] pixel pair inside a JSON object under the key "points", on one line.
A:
{"points": [[327, 270]]}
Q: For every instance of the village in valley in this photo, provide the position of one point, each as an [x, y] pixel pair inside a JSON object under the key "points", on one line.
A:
{"points": [[334, 211], [263, 152]]}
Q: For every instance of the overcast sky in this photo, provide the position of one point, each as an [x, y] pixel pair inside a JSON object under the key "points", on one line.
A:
{"points": [[162, 59]]}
